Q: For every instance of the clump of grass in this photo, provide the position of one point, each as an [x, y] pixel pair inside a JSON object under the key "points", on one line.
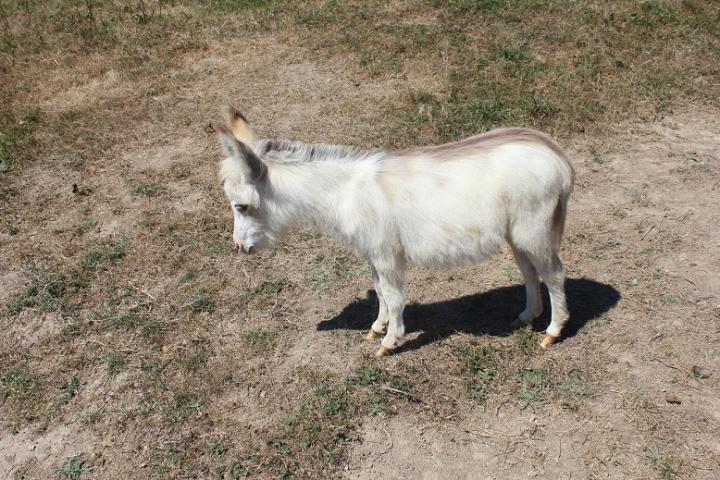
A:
{"points": [[71, 388], [146, 189], [104, 255], [16, 137], [260, 339], [135, 320], [22, 395], [367, 375], [201, 301], [115, 362], [661, 463], [328, 272], [266, 289], [536, 384], [47, 291], [75, 468], [85, 226], [482, 365]]}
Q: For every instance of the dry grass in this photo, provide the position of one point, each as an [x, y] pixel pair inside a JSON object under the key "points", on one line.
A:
{"points": [[138, 345]]}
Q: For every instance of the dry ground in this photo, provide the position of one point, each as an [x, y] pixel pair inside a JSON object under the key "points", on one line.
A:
{"points": [[137, 344]]}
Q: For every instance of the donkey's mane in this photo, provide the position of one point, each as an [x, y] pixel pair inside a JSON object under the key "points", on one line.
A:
{"points": [[291, 151]]}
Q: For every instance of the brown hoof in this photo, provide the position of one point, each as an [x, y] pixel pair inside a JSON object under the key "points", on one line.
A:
{"points": [[548, 341], [373, 335], [383, 352]]}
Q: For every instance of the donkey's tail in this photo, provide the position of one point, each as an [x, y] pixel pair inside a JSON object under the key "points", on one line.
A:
{"points": [[560, 213]]}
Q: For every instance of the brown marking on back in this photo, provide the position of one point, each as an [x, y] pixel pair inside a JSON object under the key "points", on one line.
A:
{"points": [[474, 230], [386, 187], [484, 143]]}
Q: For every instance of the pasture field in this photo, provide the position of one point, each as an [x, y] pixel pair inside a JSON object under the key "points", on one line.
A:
{"points": [[136, 343]]}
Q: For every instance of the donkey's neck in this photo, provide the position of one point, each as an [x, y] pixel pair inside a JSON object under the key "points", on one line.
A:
{"points": [[315, 192]]}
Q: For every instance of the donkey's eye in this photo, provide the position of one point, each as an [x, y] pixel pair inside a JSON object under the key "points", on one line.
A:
{"points": [[242, 208]]}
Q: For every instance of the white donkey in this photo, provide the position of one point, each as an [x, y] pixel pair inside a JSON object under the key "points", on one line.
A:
{"points": [[438, 206]]}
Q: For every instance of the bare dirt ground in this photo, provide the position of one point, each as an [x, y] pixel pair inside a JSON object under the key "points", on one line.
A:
{"points": [[149, 349]]}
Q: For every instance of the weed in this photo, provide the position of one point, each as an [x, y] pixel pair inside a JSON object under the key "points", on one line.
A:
{"points": [[85, 226], [260, 339], [104, 255], [16, 137], [46, 292], [146, 189], [666, 470], [188, 276], [201, 301], [482, 364], [367, 375], [524, 340], [572, 387], [135, 320], [115, 363], [76, 468], [71, 388], [267, 288], [536, 385], [328, 272]]}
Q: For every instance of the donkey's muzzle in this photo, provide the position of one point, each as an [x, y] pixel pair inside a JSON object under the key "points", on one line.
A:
{"points": [[247, 250]]}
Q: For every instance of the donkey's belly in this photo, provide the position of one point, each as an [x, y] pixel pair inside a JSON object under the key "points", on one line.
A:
{"points": [[452, 248]]}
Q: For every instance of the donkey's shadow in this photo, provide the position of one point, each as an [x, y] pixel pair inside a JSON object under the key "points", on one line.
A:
{"points": [[487, 313]]}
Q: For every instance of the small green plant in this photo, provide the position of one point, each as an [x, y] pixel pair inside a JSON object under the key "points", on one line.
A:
{"points": [[367, 375], [71, 388], [16, 137], [85, 226], [115, 363], [667, 472], [146, 189], [536, 383], [135, 320], [47, 291], [75, 468], [259, 339], [202, 302], [104, 255]]}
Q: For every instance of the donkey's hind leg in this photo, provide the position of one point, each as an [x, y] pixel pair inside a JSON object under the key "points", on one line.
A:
{"points": [[533, 302], [379, 326], [551, 271]]}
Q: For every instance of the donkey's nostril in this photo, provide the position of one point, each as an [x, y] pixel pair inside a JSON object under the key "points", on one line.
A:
{"points": [[250, 249]]}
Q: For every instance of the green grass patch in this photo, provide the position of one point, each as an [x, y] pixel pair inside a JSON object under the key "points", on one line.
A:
{"points": [[46, 291], [147, 189], [105, 255], [259, 339], [76, 468], [16, 137], [328, 272], [115, 362], [201, 302]]}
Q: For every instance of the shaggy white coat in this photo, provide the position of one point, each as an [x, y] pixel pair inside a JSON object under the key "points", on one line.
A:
{"points": [[442, 206]]}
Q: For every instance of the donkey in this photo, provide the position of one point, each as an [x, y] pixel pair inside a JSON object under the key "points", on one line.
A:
{"points": [[439, 206]]}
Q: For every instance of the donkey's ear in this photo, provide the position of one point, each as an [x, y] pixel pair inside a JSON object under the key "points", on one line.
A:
{"points": [[242, 154], [238, 125]]}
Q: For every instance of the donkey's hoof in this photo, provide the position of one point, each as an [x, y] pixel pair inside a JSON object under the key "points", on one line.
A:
{"points": [[383, 351], [373, 335], [548, 341]]}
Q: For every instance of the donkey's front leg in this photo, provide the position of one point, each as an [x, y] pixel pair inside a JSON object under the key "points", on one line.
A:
{"points": [[380, 324], [391, 278]]}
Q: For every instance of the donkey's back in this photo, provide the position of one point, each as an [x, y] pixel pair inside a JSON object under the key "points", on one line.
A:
{"points": [[457, 203]]}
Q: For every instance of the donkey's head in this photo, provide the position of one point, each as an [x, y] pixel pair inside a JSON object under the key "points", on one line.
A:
{"points": [[244, 175]]}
